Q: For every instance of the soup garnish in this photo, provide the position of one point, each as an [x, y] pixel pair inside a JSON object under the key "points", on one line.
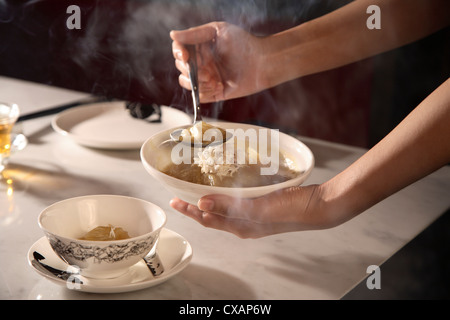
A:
{"points": [[106, 233]]}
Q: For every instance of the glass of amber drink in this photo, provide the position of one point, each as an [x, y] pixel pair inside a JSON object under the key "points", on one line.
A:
{"points": [[9, 113]]}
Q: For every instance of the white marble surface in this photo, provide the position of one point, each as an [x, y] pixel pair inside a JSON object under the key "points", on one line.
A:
{"points": [[304, 265]]}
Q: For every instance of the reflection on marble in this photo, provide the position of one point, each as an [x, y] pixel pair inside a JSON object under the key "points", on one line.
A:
{"points": [[49, 182], [174, 288], [70, 154], [195, 282]]}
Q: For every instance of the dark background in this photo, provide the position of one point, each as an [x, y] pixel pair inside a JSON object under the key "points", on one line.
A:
{"points": [[123, 51]]}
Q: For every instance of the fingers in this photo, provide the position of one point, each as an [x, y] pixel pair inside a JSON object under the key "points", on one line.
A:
{"points": [[204, 218], [211, 88], [241, 228], [259, 209], [229, 206], [179, 52], [203, 75], [208, 91], [187, 209], [203, 33], [196, 35]]}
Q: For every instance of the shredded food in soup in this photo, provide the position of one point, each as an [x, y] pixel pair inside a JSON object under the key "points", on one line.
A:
{"points": [[106, 233], [219, 166]]}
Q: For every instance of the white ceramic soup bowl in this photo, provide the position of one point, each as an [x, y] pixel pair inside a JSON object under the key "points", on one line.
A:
{"points": [[152, 159], [66, 221]]}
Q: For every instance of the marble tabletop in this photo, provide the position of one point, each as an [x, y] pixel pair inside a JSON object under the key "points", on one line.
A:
{"points": [[322, 264]]}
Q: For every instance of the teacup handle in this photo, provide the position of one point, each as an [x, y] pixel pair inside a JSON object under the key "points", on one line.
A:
{"points": [[154, 263]]}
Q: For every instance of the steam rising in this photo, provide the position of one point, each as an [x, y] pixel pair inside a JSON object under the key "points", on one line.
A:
{"points": [[123, 51]]}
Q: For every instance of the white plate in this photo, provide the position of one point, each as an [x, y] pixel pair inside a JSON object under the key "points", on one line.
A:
{"points": [[174, 252], [108, 125]]}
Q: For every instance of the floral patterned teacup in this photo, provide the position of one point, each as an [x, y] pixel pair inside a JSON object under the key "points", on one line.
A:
{"points": [[65, 222]]}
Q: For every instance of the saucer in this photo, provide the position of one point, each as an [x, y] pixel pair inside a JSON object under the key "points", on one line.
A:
{"points": [[173, 250], [108, 125]]}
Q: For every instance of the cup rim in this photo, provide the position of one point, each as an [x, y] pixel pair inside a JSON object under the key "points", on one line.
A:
{"points": [[16, 112], [107, 242]]}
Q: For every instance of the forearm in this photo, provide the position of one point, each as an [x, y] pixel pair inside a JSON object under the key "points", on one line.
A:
{"points": [[418, 146], [342, 37]]}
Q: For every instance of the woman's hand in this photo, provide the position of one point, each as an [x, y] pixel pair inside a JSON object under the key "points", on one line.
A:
{"points": [[234, 63], [414, 149], [290, 209], [229, 60]]}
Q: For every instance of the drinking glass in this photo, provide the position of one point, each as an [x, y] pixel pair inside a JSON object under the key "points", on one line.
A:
{"points": [[9, 113]]}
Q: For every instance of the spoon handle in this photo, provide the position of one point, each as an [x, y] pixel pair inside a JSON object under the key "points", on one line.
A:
{"points": [[193, 77]]}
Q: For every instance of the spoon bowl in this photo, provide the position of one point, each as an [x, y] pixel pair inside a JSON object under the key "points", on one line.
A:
{"points": [[177, 135]]}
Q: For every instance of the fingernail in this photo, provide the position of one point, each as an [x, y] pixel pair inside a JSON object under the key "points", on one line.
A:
{"points": [[174, 203], [179, 55], [205, 204]]}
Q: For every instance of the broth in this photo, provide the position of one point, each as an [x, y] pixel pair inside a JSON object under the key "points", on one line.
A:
{"points": [[248, 176], [234, 175], [106, 233]]}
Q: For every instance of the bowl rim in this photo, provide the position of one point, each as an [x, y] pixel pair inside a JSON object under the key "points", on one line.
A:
{"points": [[100, 243], [275, 186]]}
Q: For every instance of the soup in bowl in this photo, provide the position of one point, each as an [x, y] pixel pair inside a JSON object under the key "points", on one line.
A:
{"points": [[254, 162]]}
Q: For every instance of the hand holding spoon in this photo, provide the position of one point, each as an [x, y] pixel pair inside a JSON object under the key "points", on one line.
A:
{"points": [[180, 135]]}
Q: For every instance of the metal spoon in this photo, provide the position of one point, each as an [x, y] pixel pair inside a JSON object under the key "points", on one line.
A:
{"points": [[176, 136], [64, 275], [152, 261], [193, 77]]}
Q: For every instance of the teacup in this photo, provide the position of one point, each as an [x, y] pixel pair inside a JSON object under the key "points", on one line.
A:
{"points": [[65, 222]]}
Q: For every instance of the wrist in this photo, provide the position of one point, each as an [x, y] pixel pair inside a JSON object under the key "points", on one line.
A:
{"points": [[314, 208], [334, 203], [288, 55]]}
